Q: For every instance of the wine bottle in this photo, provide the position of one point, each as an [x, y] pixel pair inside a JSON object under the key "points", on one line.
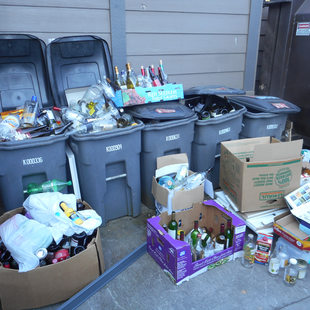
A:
{"points": [[194, 234], [117, 81], [206, 237], [182, 235], [48, 186], [164, 76], [148, 81], [229, 235], [173, 226], [155, 80], [221, 239], [130, 83]]}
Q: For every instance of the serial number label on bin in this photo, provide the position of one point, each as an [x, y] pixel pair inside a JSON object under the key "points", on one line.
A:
{"points": [[113, 148], [223, 131], [272, 126], [32, 161], [173, 137]]}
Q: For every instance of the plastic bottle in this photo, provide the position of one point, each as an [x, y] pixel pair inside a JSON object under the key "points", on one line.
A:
{"points": [[274, 263], [249, 252], [30, 113], [48, 186]]}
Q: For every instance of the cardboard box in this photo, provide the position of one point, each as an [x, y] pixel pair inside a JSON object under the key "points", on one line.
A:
{"points": [[143, 95], [174, 256], [257, 173], [52, 283], [287, 227], [181, 199]]}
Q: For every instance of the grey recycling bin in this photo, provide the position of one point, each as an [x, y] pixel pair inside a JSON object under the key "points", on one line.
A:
{"points": [[163, 134], [213, 128], [265, 116], [22, 75], [108, 163]]}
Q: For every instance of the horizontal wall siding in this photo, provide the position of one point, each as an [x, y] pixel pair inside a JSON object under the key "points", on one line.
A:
{"points": [[200, 42], [54, 18]]}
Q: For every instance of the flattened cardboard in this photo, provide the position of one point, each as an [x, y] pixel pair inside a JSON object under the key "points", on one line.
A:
{"points": [[287, 227], [52, 283], [181, 199], [174, 256], [261, 184]]}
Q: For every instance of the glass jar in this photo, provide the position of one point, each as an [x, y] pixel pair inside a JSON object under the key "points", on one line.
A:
{"points": [[291, 272], [302, 268]]}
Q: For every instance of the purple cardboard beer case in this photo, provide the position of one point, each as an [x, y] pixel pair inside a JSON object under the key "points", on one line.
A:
{"points": [[174, 256]]}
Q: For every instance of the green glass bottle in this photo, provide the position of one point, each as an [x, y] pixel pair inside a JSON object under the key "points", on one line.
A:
{"points": [[173, 226], [48, 186], [229, 235], [194, 234]]}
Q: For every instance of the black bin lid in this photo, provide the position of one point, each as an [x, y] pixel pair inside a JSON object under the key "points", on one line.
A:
{"points": [[213, 90], [268, 104], [23, 72], [160, 111], [77, 61]]}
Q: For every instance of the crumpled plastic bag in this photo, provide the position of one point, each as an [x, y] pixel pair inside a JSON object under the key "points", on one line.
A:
{"points": [[44, 208], [23, 237]]}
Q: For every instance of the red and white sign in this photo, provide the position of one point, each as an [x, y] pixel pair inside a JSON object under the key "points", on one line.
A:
{"points": [[303, 29]]}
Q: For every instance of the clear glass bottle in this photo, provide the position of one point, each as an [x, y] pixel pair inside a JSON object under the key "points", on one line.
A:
{"points": [[283, 256], [130, 83], [274, 263], [249, 252], [291, 272]]}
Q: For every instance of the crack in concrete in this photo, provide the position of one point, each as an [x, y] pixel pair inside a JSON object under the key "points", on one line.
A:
{"points": [[292, 303]]}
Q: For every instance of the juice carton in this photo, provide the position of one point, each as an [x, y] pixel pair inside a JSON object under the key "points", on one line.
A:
{"points": [[263, 248]]}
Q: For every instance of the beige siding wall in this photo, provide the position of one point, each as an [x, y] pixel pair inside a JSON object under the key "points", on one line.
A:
{"points": [[49, 19], [200, 42]]}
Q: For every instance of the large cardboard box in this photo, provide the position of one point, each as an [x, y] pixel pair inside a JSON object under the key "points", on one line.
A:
{"points": [[257, 173], [52, 283], [287, 227], [181, 199], [174, 256]]}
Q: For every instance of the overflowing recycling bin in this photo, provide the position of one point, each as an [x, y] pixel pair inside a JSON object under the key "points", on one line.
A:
{"points": [[108, 159], [265, 115], [24, 160], [218, 120]]}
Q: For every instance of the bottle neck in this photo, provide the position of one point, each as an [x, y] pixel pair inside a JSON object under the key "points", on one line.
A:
{"points": [[222, 228], [196, 225], [228, 224]]}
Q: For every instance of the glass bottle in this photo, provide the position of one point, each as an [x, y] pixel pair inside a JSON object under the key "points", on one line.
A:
{"points": [[220, 240], [163, 75], [173, 226], [283, 257], [117, 81], [229, 235], [48, 186], [129, 79], [182, 235], [291, 272], [249, 252], [274, 263], [194, 234], [147, 79]]}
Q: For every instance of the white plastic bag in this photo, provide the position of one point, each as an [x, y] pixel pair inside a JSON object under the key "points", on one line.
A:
{"points": [[23, 237], [44, 208]]}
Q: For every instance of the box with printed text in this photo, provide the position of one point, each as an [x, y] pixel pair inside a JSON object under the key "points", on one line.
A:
{"points": [[174, 256]]}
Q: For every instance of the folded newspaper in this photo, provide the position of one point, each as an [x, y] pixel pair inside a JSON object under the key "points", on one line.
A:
{"points": [[299, 203]]}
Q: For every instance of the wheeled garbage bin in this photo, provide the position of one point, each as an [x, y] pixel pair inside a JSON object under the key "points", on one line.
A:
{"points": [[218, 121], [108, 163], [265, 115], [22, 75], [168, 129]]}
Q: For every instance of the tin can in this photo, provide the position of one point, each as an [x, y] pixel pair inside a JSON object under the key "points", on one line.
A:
{"points": [[41, 253], [302, 268]]}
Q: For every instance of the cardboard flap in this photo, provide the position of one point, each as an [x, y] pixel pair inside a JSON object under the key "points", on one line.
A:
{"points": [[172, 159], [277, 151]]}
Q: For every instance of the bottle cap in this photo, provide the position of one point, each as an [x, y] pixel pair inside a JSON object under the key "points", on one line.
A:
{"points": [[34, 98], [293, 261]]}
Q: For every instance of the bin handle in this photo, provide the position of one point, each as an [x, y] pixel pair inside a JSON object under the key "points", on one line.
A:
{"points": [[124, 175]]}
